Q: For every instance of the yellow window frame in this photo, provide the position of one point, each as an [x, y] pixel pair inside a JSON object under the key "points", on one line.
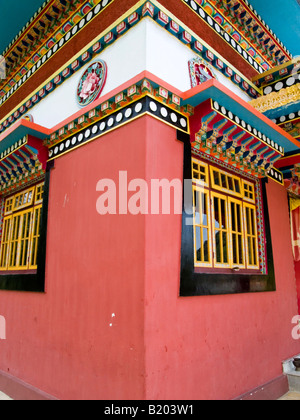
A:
{"points": [[5, 243], [251, 235], [21, 229], [236, 233], [20, 234], [248, 189], [35, 235], [200, 227], [228, 179], [221, 230], [24, 199], [8, 208], [39, 192], [230, 230], [200, 171]]}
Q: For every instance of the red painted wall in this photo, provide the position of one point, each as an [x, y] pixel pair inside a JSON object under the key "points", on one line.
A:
{"points": [[297, 270], [213, 347], [61, 342], [159, 346]]}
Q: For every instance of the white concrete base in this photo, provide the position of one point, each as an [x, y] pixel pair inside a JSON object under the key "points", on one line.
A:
{"points": [[288, 366], [292, 375], [4, 397]]}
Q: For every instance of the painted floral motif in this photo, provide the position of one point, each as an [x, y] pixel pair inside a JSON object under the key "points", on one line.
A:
{"points": [[91, 83]]}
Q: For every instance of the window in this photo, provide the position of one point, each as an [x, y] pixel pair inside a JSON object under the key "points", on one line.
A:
{"points": [[21, 229], [225, 220]]}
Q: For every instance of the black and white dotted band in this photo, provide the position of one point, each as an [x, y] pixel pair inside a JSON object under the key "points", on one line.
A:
{"points": [[134, 110], [225, 35], [282, 84]]}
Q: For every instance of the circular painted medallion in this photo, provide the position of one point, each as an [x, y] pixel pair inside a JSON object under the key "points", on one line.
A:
{"points": [[92, 83]]}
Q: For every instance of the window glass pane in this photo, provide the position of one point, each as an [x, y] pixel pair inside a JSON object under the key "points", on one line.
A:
{"points": [[205, 245], [218, 247], [251, 233], [5, 242], [26, 225], [223, 214], [36, 234], [250, 255], [223, 180], [204, 210], [240, 249], [216, 213], [254, 251], [230, 184], [234, 249], [198, 243], [237, 186], [201, 227], [217, 178], [225, 249], [14, 242], [197, 207], [221, 230]]}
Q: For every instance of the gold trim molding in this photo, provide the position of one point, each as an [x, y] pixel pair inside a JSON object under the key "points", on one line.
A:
{"points": [[277, 99]]}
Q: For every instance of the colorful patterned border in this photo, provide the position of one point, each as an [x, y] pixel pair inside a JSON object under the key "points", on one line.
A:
{"points": [[221, 26], [235, 23], [255, 154], [144, 10], [277, 100], [286, 119], [247, 127], [50, 49], [247, 20], [282, 83], [142, 106]]}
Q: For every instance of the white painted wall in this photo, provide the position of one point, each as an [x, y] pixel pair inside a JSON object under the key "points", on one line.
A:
{"points": [[147, 46]]}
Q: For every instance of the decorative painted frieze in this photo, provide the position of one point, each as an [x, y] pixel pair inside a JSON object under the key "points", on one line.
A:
{"points": [[100, 44], [280, 77], [277, 99], [142, 106], [79, 20], [20, 165], [230, 139], [173, 27], [239, 25]]}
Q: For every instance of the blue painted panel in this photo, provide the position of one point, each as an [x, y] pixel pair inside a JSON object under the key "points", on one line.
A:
{"points": [[13, 16], [283, 17]]}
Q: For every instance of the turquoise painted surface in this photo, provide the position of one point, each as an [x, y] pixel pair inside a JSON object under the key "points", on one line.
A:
{"points": [[13, 16], [283, 17]]}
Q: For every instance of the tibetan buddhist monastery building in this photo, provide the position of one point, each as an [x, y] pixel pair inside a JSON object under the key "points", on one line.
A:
{"points": [[149, 199]]}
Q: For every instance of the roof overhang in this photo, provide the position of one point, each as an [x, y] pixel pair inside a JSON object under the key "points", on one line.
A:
{"points": [[231, 130], [23, 156], [214, 90]]}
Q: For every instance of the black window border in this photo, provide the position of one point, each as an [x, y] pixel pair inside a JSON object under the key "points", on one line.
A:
{"points": [[207, 284], [33, 282]]}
